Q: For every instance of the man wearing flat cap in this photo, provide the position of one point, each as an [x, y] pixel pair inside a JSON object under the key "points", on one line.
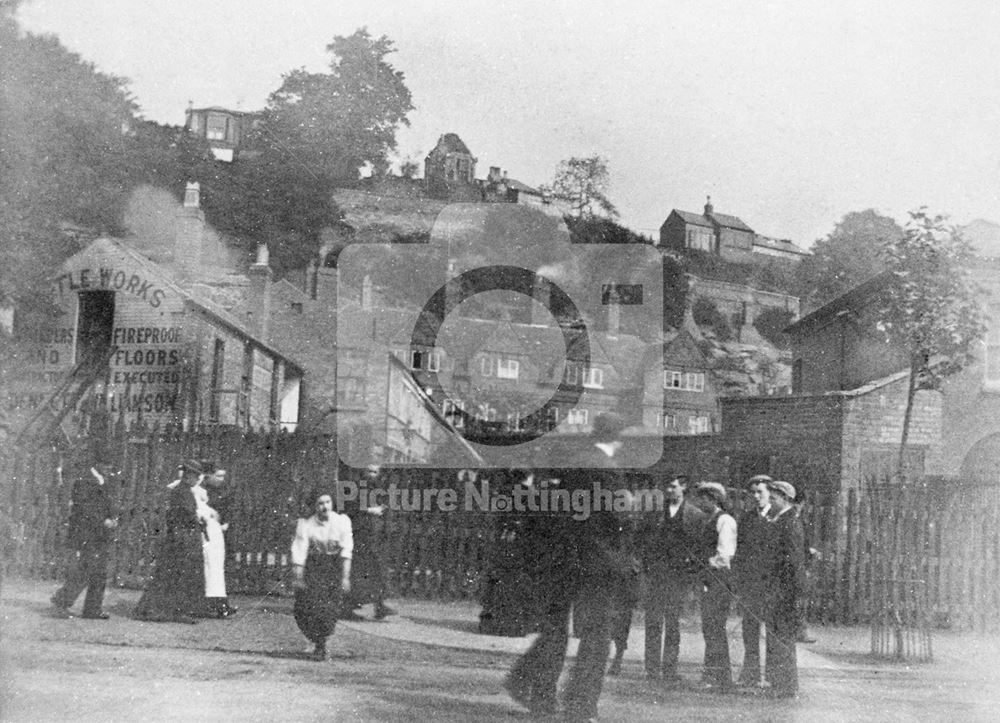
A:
{"points": [[787, 580], [750, 567], [718, 549], [91, 529]]}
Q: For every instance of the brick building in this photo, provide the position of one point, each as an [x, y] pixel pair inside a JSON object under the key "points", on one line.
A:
{"points": [[837, 349], [725, 236]]}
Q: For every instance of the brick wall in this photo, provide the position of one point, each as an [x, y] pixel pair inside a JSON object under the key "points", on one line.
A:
{"points": [[794, 437]]}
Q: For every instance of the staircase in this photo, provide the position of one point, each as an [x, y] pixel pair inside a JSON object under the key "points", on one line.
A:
{"points": [[46, 421]]}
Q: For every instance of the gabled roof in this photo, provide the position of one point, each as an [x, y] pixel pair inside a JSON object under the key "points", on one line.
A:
{"points": [[779, 244], [853, 299], [516, 185], [712, 220], [693, 218], [729, 222], [109, 245], [450, 143]]}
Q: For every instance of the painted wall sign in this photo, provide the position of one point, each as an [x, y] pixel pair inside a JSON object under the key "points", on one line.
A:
{"points": [[112, 279]]}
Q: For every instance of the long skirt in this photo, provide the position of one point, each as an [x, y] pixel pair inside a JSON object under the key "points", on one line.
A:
{"points": [[177, 587], [214, 552], [317, 606]]}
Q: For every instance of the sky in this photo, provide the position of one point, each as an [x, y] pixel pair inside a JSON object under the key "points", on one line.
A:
{"points": [[790, 114]]}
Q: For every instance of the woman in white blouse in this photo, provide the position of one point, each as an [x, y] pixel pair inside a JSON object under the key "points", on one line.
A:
{"points": [[321, 563]]}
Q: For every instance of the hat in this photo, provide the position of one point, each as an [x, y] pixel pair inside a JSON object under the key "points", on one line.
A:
{"points": [[759, 478], [191, 465], [713, 490], [607, 426], [785, 488]]}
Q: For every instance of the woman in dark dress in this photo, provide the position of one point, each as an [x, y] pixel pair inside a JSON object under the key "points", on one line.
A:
{"points": [[321, 562], [177, 588]]}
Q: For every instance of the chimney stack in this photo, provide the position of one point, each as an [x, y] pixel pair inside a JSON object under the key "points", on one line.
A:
{"points": [[708, 206], [614, 311], [541, 294], [261, 277], [188, 236]]}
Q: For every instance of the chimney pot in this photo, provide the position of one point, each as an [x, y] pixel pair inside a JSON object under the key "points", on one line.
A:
{"points": [[192, 195], [708, 206]]}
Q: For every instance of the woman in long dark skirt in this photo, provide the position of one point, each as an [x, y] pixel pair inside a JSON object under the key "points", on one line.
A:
{"points": [[321, 562], [177, 588]]}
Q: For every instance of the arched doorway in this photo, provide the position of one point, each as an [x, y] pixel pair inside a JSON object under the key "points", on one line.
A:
{"points": [[982, 462]]}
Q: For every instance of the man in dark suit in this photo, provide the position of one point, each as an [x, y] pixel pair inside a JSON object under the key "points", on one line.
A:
{"points": [[670, 560], [786, 577], [751, 565], [594, 564], [91, 525]]}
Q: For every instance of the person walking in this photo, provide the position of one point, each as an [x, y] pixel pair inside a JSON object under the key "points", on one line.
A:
{"points": [[670, 562], [368, 569], [213, 546], [92, 522], [594, 565], [751, 567], [786, 580], [176, 591], [321, 563], [716, 586]]}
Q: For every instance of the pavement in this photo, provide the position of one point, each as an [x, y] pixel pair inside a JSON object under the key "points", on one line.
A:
{"points": [[427, 662]]}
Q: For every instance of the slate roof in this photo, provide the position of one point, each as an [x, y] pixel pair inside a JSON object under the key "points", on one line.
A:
{"points": [[693, 218], [779, 244], [710, 221], [450, 143]]}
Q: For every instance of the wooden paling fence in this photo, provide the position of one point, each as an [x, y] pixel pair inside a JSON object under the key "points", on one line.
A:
{"points": [[930, 549], [922, 550]]}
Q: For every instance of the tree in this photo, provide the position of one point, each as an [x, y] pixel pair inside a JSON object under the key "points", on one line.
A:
{"points": [[850, 255], [335, 123], [929, 307], [583, 184]]}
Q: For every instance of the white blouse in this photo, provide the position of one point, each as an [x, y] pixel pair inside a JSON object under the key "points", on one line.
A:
{"points": [[315, 537]]}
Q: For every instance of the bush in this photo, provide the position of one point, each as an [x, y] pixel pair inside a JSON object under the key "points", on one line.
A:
{"points": [[707, 314], [771, 323]]}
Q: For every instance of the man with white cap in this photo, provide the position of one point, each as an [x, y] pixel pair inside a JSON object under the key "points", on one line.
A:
{"points": [[787, 578], [719, 546]]}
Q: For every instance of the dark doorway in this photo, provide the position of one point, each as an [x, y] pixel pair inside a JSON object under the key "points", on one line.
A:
{"points": [[94, 326]]}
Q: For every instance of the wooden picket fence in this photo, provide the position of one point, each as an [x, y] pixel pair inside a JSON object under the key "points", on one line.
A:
{"points": [[940, 537], [930, 547], [273, 478]]}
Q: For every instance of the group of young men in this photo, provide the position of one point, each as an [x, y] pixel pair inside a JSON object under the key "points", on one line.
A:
{"points": [[758, 561], [593, 570]]}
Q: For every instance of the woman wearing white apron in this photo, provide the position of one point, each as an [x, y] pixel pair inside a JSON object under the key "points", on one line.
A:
{"points": [[214, 553]]}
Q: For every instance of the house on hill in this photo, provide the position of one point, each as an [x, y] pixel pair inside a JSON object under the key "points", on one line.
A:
{"points": [[725, 236], [450, 170], [224, 129]]}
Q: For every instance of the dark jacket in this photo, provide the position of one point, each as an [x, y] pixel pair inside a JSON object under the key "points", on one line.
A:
{"points": [[753, 549], [91, 506], [599, 544], [683, 556], [786, 573]]}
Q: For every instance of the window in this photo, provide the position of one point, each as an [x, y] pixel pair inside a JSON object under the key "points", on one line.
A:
{"points": [[514, 422], [508, 368], [452, 410], [666, 420], [427, 360], [593, 378], [686, 381], [350, 391], [218, 359], [577, 374], [487, 366], [698, 238], [551, 418], [698, 425], [577, 416], [297, 307], [217, 127], [991, 368]]}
